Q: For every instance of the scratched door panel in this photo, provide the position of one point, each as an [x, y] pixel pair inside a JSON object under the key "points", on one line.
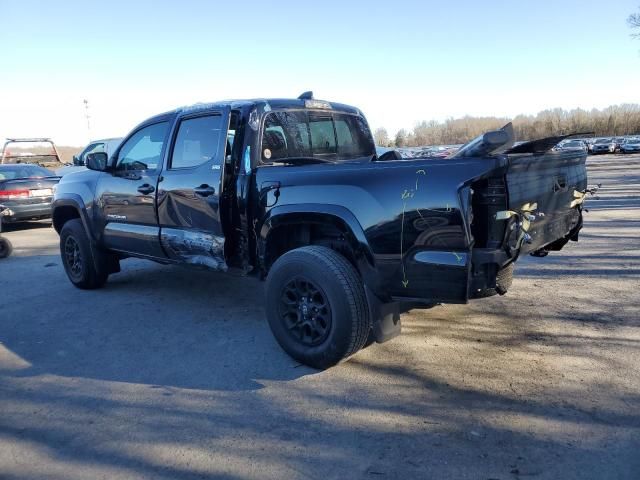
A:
{"points": [[189, 192]]}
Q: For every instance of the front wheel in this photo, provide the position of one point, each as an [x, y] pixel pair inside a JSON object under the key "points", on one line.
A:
{"points": [[316, 306], [80, 258]]}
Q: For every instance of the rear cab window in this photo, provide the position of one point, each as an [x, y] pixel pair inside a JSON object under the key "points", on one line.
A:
{"points": [[324, 135]]}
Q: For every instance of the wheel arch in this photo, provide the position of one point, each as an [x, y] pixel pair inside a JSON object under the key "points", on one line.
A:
{"points": [[287, 221], [67, 208]]}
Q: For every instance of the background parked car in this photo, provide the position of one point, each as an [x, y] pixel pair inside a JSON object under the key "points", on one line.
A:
{"points": [[618, 141], [589, 142], [572, 146], [630, 145], [106, 145], [603, 145], [26, 192]]}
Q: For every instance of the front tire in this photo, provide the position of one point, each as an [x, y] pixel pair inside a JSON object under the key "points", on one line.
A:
{"points": [[316, 306], [80, 258]]}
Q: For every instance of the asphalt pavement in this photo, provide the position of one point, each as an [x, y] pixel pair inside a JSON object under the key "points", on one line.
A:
{"points": [[169, 373]]}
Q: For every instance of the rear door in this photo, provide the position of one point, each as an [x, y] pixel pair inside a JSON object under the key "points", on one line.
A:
{"points": [[189, 190], [550, 181]]}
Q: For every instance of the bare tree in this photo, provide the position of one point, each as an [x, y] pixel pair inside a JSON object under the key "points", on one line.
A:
{"points": [[633, 21], [614, 120], [381, 137], [401, 138]]}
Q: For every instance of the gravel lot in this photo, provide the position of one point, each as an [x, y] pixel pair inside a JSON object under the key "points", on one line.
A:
{"points": [[169, 373]]}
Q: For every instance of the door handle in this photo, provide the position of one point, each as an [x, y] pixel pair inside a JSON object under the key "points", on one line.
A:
{"points": [[146, 189], [204, 190]]}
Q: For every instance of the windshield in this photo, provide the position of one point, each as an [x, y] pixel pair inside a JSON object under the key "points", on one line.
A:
{"points": [[315, 135], [604, 140], [23, 171], [574, 143]]}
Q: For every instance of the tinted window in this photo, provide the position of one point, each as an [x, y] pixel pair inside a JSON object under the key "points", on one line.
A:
{"points": [[323, 136], [197, 142], [142, 151], [327, 135]]}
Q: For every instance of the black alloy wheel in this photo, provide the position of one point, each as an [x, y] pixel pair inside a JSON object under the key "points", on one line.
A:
{"points": [[305, 311], [73, 258]]}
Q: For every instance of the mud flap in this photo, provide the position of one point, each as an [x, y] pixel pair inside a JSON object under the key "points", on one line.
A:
{"points": [[385, 317]]}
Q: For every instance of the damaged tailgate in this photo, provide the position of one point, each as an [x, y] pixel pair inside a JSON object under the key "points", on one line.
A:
{"points": [[545, 190]]}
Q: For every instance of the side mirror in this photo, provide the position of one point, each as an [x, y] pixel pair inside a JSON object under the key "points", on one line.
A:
{"points": [[497, 138], [77, 161], [97, 161], [390, 155]]}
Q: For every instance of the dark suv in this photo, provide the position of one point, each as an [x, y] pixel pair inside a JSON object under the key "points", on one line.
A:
{"points": [[292, 190]]}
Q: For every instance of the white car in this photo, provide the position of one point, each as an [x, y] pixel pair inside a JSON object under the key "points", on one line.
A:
{"points": [[603, 145], [106, 145]]}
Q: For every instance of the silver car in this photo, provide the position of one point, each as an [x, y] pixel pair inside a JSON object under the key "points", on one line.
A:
{"points": [[603, 145], [572, 146], [630, 145]]}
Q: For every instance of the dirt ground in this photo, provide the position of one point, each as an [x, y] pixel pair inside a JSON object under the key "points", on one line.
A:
{"points": [[169, 373]]}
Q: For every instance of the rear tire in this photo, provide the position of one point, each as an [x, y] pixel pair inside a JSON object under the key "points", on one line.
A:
{"points": [[5, 248], [80, 258], [316, 306]]}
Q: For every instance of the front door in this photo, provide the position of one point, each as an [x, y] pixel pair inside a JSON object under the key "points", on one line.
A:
{"points": [[127, 197], [189, 191]]}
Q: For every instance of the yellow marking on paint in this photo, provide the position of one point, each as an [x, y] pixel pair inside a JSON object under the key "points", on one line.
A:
{"points": [[417, 173], [407, 194]]}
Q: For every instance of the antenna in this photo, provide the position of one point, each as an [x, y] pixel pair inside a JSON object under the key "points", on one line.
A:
{"points": [[87, 116], [306, 96]]}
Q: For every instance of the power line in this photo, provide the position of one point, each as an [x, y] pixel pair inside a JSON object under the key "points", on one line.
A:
{"points": [[87, 116]]}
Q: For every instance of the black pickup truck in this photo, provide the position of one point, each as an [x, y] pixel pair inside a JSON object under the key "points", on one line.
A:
{"points": [[292, 191]]}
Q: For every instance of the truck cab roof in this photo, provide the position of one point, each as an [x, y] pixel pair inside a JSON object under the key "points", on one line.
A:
{"points": [[267, 104]]}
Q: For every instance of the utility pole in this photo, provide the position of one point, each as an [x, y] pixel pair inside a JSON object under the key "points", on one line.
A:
{"points": [[87, 116]]}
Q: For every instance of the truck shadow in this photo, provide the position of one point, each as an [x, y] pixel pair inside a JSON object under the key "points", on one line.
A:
{"points": [[163, 326]]}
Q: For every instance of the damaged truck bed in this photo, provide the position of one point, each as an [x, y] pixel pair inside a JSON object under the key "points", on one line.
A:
{"points": [[291, 190]]}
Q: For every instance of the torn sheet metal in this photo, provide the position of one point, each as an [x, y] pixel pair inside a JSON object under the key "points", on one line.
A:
{"points": [[579, 198], [195, 248]]}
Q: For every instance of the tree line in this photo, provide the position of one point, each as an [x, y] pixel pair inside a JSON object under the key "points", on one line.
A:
{"points": [[611, 121]]}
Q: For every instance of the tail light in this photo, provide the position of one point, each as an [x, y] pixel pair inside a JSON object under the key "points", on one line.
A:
{"points": [[13, 194]]}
